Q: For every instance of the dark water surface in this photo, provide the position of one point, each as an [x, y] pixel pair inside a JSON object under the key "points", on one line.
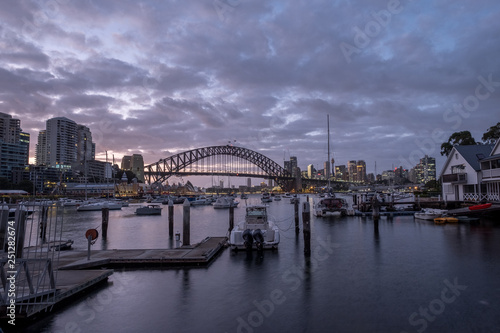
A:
{"points": [[407, 276]]}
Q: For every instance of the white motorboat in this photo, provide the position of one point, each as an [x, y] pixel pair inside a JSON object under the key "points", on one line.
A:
{"points": [[149, 210], [277, 197], [255, 232], [287, 195], [266, 197], [200, 201], [94, 206], [225, 202], [331, 206], [430, 214]]}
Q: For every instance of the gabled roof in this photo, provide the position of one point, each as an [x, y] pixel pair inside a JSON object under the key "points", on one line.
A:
{"points": [[474, 153], [471, 153], [496, 149]]}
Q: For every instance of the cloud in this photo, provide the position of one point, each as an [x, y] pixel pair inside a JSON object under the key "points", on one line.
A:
{"points": [[161, 76]]}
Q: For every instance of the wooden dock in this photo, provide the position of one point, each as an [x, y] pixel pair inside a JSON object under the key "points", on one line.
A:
{"points": [[196, 255], [75, 274]]}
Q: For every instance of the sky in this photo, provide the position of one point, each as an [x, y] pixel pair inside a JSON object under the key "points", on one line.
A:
{"points": [[156, 78]]}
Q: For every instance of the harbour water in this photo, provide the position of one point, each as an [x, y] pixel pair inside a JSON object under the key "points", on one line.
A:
{"points": [[404, 276]]}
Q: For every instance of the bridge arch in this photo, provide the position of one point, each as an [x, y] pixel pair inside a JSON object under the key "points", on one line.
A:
{"points": [[165, 168]]}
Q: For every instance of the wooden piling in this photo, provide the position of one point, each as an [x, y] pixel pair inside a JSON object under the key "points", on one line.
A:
{"points": [[105, 220], [306, 225], [296, 210], [170, 218], [375, 209], [186, 223], [231, 218]]}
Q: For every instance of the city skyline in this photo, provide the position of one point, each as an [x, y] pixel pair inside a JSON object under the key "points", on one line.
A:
{"points": [[155, 79]]}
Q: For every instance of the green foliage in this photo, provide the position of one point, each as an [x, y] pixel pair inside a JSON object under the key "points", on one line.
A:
{"points": [[457, 138], [492, 134]]}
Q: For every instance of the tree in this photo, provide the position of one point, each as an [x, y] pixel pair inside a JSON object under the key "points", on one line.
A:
{"points": [[492, 134], [457, 138]]}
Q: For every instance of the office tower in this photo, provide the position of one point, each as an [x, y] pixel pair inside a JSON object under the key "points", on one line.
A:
{"points": [[326, 169], [310, 171], [137, 166], [126, 162], [361, 171], [352, 169]]}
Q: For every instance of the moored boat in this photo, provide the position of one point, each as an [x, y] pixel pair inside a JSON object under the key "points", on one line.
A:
{"points": [[445, 219], [331, 206], [225, 202], [149, 210], [256, 231], [266, 197], [94, 206], [481, 206], [429, 214]]}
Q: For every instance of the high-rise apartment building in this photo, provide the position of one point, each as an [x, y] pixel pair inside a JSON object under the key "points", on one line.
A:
{"points": [[14, 147], [61, 143], [426, 169]]}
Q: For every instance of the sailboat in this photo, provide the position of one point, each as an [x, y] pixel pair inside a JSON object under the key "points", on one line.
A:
{"points": [[329, 204]]}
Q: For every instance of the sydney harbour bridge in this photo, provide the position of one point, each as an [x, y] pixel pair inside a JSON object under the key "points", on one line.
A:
{"points": [[225, 160]]}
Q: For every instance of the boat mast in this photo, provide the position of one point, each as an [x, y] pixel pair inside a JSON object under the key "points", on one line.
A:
{"points": [[329, 167]]}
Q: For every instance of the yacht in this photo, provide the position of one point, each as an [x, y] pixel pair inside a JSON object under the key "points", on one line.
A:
{"points": [[329, 206], [94, 206], [255, 232], [266, 197], [225, 202], [149, 210]]}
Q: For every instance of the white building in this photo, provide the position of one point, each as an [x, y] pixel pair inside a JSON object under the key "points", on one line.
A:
{"points": [[461, 175], [490, 169]]}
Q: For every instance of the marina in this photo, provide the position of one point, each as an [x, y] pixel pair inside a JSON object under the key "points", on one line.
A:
{"points": [[123, 273]]}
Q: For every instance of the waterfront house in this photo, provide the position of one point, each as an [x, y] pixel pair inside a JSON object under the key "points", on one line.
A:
{"points": [[490, 169], [461, 176]]}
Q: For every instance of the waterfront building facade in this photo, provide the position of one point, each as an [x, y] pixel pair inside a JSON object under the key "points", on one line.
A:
{"points": [[461, 176], [490, 169]]}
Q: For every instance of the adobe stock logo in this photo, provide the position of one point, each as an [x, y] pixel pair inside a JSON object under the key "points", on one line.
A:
{"points": [[373, 28], [436, 307]]}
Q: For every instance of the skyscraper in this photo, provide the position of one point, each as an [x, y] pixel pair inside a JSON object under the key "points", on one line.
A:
{"points": [[61, 142], [352, 169], [14, 146], [361, 171]]}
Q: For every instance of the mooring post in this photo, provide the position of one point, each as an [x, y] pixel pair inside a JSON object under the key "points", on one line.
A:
{"points": [[89, 239], [4, 218], [105, 220], [231, 218], [170, 218], [43, 221], [296, 211], [186, 222], [306, 225], [375, 209]]}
